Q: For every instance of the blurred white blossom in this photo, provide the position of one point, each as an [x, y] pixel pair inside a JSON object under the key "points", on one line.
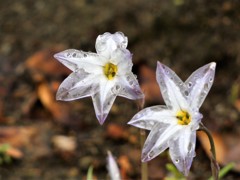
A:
{"points": [[174, 126], [112, 167], [102, 75]]}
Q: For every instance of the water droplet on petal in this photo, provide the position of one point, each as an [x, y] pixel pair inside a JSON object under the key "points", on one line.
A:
{"points": [[117, 87], [152, 123], [190, 84], [150, 155], [143, 124], [177, 160]]}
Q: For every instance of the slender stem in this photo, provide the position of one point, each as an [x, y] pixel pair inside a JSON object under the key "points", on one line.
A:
{"points": [[144, 165], [214, 164]]}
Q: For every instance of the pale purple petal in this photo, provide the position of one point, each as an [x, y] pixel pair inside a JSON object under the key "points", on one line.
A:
{"points": [[149, 117], [106, 43], [127, 86], [158, 140], [182, 149], [103, 100], [172, 88], [123, 59], [112, 167], [75, 59], [77, 85], [199, 84]]}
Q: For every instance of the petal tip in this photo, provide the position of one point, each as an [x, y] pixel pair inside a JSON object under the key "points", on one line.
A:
{"points": [[145, 158], [186, 172], [101, 118], [213, 65], [57, 55]]}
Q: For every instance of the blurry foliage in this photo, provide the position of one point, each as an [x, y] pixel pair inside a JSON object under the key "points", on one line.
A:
{"points": [[174, 173], [90, 173], [224, 170], [4, 157]]}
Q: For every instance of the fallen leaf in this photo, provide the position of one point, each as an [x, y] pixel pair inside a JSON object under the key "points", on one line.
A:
{"points": [[17, 136], [149, 84], [220, 146], [43, 63], [64, 143], [14, 152], [116, 132], [47, 97], [125, 165]]}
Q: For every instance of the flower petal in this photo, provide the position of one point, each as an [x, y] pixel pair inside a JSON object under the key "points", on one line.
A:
{"points": [[158, 140], [199, 84], [103, 100], [149, 117], [172, 88], [112, 167], [182, 150], [106, 43], [123, 59], [128, 87], [75, 59], [77, 85]]}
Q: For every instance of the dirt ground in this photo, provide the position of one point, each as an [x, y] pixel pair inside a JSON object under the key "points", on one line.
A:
{"points": [[48, 139]]}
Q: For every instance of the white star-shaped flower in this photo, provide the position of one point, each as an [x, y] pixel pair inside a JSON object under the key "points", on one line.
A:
{"points": [[174, 126], [102, 75]]}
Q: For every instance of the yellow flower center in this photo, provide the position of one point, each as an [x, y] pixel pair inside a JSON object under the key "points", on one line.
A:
{"points": [[183, 117], [110, 70]]}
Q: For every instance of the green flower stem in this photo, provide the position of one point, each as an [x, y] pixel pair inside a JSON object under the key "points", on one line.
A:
{"points": [[214, 164], [144, 166]]}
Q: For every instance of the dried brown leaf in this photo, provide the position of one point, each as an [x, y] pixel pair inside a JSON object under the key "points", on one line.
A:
{"points": [[47, 98], [149, 84], [43, 63], [125, 165], [220, 146]]}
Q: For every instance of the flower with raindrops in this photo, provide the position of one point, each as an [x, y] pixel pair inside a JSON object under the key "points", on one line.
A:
{"points": [[174, 126], [103, 75]]}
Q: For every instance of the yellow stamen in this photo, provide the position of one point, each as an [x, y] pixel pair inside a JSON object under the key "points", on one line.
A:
{"points": [[183, 117], [110, 70]]}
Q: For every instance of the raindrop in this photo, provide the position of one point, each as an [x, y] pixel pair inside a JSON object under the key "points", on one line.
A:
{"points": [[186, 93], [131, 83], [117, 87], [206, 87], [190, 147], [143, 124], [177, 160], [190, 84], [211, 80], [152, 123], [150, 155]]}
